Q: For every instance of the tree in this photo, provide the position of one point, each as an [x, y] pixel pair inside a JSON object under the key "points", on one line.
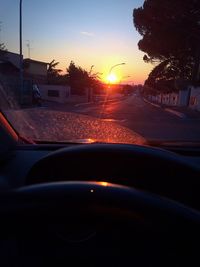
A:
{"points": [[171, 38], [3, 50], [80, 79], [53, 74]]}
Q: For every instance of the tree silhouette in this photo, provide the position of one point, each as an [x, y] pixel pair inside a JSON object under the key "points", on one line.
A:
{"points": [[171, 37], [54, 74], [3, 50], [80, 79]]}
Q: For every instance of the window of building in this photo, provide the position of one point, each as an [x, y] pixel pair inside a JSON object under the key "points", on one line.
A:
{"points": [[53, 93]]}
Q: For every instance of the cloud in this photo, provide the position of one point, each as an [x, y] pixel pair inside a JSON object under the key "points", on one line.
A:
{"points": [[89, 34]]}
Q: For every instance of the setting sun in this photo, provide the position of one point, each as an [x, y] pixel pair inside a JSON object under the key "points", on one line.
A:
{"points": [[112, 78]]}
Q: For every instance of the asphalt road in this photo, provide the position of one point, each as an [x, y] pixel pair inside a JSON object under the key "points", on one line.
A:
{"points": [[151, 122], [123, 120]]}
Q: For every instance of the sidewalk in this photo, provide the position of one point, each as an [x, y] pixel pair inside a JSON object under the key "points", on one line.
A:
{"points": [[181, 112], [188, 113]]}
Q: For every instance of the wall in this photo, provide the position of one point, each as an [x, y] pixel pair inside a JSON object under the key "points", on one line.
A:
{"points": [[166, 99], [11, 88], [37, 69], [183, 98], [195, 98], [173, 99], [55, 93]]}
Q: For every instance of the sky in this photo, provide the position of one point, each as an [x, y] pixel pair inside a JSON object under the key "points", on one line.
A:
{"points": [[89, 32]]}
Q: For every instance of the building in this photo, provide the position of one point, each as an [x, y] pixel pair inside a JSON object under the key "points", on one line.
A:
{"points": [[9, 76], [35, 70], [55, 93]]}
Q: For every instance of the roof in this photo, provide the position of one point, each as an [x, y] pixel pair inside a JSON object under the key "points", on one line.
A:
{"points": [[35, 61], [12, 53]]}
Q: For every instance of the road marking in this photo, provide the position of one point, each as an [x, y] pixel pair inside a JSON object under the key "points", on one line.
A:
{"points": [[177, 113], [114, 120], [174, 112], [153, 104]]}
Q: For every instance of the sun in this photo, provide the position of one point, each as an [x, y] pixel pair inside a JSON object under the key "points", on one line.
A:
{"points": [[112, 78]]}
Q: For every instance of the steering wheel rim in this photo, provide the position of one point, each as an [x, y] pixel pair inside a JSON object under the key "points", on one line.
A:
{"points": [[79, 193], [80, 202], [150, 169]]}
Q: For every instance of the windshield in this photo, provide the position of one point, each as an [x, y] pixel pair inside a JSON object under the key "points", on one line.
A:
{"points": [[125, 71]]}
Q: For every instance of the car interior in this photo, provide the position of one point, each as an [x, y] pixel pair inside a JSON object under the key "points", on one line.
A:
{"points": [[99, 133], [97, 204]]}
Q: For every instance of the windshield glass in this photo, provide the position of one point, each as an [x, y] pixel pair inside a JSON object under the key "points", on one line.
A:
{"points": [[125, 71]]}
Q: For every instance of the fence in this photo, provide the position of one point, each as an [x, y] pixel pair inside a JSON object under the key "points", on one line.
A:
{"points": [[194, 102], [183, 98]]}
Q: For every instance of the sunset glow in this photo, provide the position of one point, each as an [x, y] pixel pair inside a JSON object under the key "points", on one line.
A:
{"points": [[112, 78], [87, 41]]}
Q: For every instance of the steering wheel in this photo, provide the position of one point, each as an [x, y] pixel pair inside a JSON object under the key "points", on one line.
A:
{"points": [[150, 169], [98, 224]]}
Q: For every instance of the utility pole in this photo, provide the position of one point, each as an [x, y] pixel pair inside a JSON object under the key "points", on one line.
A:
{"points": [[20, 48], [90, 89], [0, 30]]}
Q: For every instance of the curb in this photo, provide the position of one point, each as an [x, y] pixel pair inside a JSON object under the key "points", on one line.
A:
{"points": [[174, 112], [177, 113], [155, 105]]}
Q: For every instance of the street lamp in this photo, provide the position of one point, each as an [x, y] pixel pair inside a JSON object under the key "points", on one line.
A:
{"points": [[110, 71], [20, 48], [115, 66]]}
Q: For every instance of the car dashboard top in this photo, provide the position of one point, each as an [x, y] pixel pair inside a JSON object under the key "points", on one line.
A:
{"points": [[16, 163]]}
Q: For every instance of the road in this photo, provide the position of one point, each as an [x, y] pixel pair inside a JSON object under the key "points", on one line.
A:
{"points": [[124, 120], [151, 122]]}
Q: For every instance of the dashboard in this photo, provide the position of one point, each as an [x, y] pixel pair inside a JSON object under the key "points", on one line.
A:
{"points": [[55, 227]]}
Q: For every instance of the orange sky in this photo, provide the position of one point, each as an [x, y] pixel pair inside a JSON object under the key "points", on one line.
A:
{"points": [[99, 33]]}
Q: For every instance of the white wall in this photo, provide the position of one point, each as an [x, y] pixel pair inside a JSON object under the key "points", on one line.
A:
{"points": [[166, 99], [195, 98], [55, 93], [173, 99], [183, 98]]}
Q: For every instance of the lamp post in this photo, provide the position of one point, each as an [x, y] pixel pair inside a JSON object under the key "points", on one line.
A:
{"points": [[110, 71], [115, 66], [90, 89], [20, 48]]}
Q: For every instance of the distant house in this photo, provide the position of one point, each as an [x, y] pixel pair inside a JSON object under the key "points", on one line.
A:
{"points": [[36, 70]]}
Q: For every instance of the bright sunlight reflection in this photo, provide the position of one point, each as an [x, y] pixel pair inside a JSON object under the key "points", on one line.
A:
{"points": [[112, 78], [104, 183]]}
